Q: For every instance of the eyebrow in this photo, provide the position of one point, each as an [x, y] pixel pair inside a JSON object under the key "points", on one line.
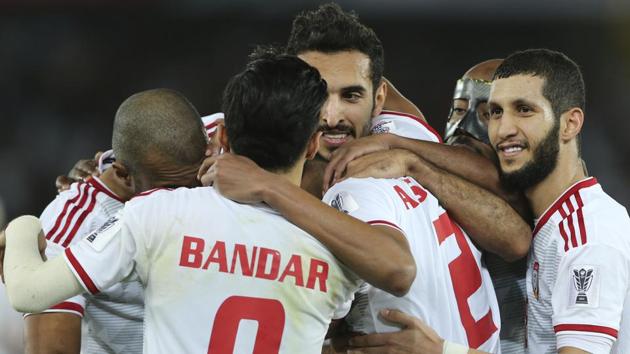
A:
{"points": [[354, 88]]}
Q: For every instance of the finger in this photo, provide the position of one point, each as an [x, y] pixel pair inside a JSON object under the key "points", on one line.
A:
{"points": [[63, 183], [396, 316], [209, 177], [205, 166], [97, 156], [370, 340]]}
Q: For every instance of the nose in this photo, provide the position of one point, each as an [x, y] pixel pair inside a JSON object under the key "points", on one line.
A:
{"points": [[503, 128], [332, 112]]}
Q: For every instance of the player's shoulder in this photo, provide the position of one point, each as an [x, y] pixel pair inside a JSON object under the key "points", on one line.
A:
{"points": [[169, 198], [405, 125], [367, 185]]}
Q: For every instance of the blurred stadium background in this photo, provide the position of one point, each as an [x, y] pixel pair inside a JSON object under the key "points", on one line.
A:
{"points": [[66, 65]]}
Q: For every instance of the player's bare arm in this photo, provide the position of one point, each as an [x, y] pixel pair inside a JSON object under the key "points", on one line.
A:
{"points": [[52, 333], [395, 101], [392, 268], [474, 208], [32, 284]]}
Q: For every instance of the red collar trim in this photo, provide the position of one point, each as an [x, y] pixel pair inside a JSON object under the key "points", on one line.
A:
{"points": [[585, 183], [101, 187]]}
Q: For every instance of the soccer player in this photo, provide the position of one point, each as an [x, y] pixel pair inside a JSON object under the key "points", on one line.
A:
{"points": [[114, 317], [578, 271], [257, 265]]}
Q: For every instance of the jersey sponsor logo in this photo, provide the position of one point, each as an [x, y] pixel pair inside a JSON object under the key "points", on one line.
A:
{"points": [[256, 262], [108, 224], [344, 202], [584, 286]]}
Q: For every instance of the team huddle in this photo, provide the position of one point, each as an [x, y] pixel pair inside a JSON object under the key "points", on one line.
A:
{"points": [[320, 213]]}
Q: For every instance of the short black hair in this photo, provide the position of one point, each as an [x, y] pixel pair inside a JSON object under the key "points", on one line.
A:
{"points": [[159, 123], [272, 108], [329, 29], [563, 83]]}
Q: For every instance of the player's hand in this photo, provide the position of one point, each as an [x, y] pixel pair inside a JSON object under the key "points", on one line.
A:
{"points": [[382, 164], [41, 245], [236, 177], [415, 337], [80, 171], [341, 157]]}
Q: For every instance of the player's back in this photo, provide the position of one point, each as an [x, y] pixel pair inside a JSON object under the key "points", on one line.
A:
{"points": [[225, 277], [452, 291]]}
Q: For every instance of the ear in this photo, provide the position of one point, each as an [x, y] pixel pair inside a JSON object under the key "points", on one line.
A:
{"points": [[572, 121], [221, 135], [379, 98], [121, 173], [313, 145]]}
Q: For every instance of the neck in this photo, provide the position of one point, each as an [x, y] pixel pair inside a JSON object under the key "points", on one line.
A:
{"points": [[294, 175], [109, 180], [179, 176], [568, 171]]}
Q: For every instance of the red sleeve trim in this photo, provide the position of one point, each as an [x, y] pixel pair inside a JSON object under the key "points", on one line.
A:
{"points": [[211, 125], [386, 223], [417, 119], [69, 306], [586, 328], [85, 278]]}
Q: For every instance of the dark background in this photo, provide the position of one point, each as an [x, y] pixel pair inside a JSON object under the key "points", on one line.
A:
{"points": [[65, 66]]}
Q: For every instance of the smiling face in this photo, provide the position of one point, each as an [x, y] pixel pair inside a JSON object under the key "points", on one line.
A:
{"points": [[351, 103], [523, 130]]}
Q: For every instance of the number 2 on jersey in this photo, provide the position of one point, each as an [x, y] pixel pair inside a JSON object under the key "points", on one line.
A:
{"points": [[466, 280], [269, 314]]}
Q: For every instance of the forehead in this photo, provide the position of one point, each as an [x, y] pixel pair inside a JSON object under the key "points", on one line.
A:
{"points": [[517, 87], [340, 68]]}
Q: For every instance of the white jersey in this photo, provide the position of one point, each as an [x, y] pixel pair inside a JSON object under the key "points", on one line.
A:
{"points": [[578, 272], [114, 317], [211, 121], [452, 291], [405, 125], [220, 276]]}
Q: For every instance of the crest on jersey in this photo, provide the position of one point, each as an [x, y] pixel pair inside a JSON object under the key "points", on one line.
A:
{"points": [[584, 291], [535, 281], [582, 280], [383, 127], [344, 202]]}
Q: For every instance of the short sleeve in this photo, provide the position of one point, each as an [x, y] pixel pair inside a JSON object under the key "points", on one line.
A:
{"points": [[404, 125], [105, 257], [364, 199], [590, 290]]}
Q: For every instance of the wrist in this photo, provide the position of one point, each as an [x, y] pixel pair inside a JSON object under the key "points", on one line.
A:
{"points": [[453, 348]]}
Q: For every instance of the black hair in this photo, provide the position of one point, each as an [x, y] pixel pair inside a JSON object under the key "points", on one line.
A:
{"points": [[272, 108], [329, 29], [563, 86], [159, 123]]}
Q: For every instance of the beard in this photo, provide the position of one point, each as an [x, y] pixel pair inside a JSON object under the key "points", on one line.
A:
{"points": [[539, 167]]}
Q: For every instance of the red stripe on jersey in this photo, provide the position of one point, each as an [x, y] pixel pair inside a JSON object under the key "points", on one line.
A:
{"points": [[80, 220], [586, 328], [211, 125], [383, 222], [63, 212], [574, 242], [85, 278], [589, 182], [74, 210], [417, 119], [102, 188], [69, 306], [563, 233]]}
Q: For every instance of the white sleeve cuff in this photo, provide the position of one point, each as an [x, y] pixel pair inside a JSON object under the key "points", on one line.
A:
{"points": [[590, 342]]}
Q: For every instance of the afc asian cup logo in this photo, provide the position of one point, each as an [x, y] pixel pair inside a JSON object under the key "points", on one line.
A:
{"points": [[535, 281], [582, 280]]}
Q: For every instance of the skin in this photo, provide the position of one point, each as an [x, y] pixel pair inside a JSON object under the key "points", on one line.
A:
{"points": [[352, 100], [521, 116]]}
